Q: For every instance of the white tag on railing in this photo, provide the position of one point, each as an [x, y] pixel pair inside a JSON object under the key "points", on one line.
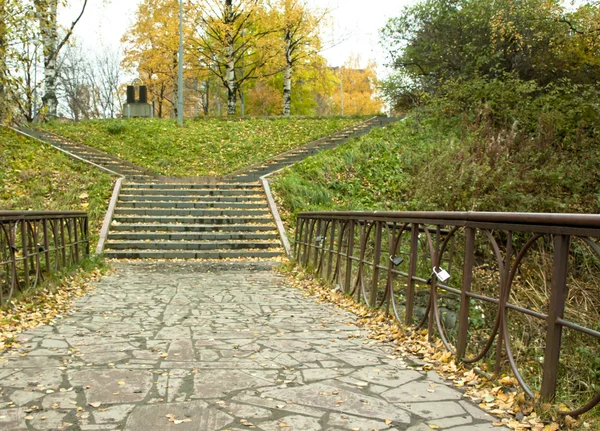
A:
{"points": [[442, 275]]}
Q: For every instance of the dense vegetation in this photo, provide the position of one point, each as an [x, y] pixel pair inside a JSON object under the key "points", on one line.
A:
{"points": [[503, 115], [33, 176], [209, 146]]}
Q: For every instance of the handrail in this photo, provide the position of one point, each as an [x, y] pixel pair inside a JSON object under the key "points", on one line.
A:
{"points": [[32, 215], [59, 238], [398, 261]]}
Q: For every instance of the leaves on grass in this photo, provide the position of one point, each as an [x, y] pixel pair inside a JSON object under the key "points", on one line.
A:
{"points": [[211, 146], [42, 307]]}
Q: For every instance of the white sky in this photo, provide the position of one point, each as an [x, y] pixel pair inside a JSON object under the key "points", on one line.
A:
{"points": [[356, 22]]}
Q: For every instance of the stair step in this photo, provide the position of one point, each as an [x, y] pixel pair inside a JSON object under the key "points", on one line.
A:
{"points": [[162, 227], [181, 199], [181, 186], [183, 254], [212, 192], [195, 220], [190, 245], [190, 236], [191, 212], [192, 205]]}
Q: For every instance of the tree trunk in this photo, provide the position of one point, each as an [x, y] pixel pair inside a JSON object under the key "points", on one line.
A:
{"points": [[47, 11], [206, 105], [287, 85], [231, 84], [3, 61], [230, 65]]}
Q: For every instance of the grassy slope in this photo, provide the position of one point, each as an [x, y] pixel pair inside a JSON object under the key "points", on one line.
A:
{"points": [[33, 176], [409, 167], [212, 146]]}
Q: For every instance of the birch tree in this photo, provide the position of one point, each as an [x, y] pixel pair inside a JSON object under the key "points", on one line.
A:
{"points": [[234, 40], [47, 16], [300, 35]]}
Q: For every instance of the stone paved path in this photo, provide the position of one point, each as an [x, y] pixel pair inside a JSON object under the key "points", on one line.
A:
{"points": [[201, 346]]}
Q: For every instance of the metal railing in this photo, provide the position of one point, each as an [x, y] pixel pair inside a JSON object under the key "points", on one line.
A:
{"points": [[429, 269], [33, 243]]}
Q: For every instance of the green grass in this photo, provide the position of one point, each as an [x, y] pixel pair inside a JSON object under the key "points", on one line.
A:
{"points": [[435, 165], [428, 166], [205, 146], [34, 176]]}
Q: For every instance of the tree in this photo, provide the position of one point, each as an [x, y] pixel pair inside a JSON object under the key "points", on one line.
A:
{"points": [[107, 79], [46, 14], [152, 46], [300, 37], [358, 87], [233, 39], [438, 41]]}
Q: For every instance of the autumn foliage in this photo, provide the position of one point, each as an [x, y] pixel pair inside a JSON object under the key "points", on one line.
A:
{"points": [[263, 57]]}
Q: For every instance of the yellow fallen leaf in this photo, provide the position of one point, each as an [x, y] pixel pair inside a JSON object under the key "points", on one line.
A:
{"points": [[121, 382], [433, 427]]}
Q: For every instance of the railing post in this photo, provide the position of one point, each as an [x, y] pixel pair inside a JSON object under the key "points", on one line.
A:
{"points": [[376, 259], [316, 246], [76, 238], [63, 241], [557, 307], [46, 243], [297, 236], [305, 255], [350, 252], [87, 235], [412, 270], [25, 252], [502, 304], [465, 302], [330, 252]]}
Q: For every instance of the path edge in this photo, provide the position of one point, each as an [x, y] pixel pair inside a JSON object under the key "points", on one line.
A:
{"points": [[109, 215], [102, 168], [275, 213]]}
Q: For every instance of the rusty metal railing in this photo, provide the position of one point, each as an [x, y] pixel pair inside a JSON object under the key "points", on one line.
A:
{"points": [[430, 269], [33, 243]]}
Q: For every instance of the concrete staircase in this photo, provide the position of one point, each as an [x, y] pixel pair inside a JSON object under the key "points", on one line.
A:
{"points": [[186, 221], [156, 218], [92, 155], [254, 172]]}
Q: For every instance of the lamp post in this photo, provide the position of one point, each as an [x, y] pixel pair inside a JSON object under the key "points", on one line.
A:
{"points": [[342, 89], [154, 77], [180, 84]]}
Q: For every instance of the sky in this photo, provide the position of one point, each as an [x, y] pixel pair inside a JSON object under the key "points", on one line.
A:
{"points": [[356, 24]]}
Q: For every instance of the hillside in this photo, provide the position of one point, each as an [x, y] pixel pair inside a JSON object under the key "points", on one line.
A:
{"points": [[33, 176], [205, 146], [429, 165]]}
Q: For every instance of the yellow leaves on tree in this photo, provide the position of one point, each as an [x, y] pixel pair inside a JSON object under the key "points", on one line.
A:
{"points": [[358, 86]]}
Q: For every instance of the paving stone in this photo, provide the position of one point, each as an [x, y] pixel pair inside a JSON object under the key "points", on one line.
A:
{"points": [[61, 400], [421, 390], [350, 422], [202, 417], [13, 420], [50, 343], [110, 414], [113, 386], [22, 398], [331, 397], [50, 378], [218, 383], [47, 420], [225, 345], [293, 423]]}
